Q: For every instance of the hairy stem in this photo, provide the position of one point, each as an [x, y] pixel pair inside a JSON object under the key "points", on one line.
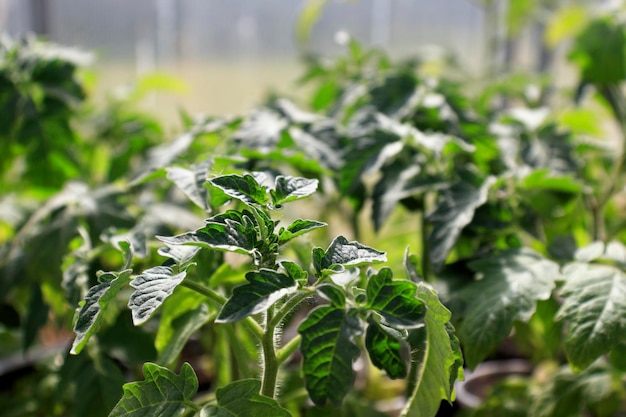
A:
{"points": [[288, 307], [218, 301], [286, 351], [270, 362]]}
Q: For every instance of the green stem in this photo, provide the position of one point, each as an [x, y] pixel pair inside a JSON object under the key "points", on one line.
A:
{"points": [[219, 300], [270, 362], [285, 352], [288, 307], [426, 265]]}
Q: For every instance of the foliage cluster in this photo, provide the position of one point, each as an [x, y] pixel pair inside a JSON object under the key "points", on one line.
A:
{"points": [[206, 243]]}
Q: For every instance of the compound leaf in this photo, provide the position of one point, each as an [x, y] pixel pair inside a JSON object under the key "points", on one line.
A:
{"points": [[454, 211], [97, 298], [328, 352], [595, 307], [288, 189], [242, 399], [395, 300], [152, 287], [387, 350], [439, 359], [297, 228], [244, 188], [263, 289], [512, 283], [163, 393]]}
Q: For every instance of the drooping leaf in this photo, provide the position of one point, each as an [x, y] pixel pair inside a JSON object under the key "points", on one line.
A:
{"points": [[163, 393], [328, 352], [512, 282], [152, 287], [395, 300], [263, 289], [97, 298], [242, 399], [244, 188], [297, 228], [191, 183], [184, 327], [439, 361], [387, 349], [179, 253], [454, 211], [288, 189], [594, 309], [346, 254]]}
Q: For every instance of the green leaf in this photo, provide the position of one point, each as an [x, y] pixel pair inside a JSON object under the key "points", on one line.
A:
{"points": [[244, 188], [295, 271], [541, 179], [395, 300], [455, 210], [328, 352], [152, 287], [595, 308], [511, 284], [344, 253], [191, 183], [184, 327], [98, 297], [438, 358], [163, 393], [288, 189], [387, 350], [231, 231], [332, 294], [297, 228], [242, 399], [264, 288], [36, 318]]}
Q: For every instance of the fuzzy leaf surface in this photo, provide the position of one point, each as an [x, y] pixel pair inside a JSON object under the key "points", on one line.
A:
{"points": [[297, 228], [242, 399], [244, 188], [152, 287], [344, 253], [594, 307], [328, 353], [440, 359], [163, 393], [97, 299], [231, 231], [387, 350], [455, 210], [512, 283], [263, 289], [288, 189], [395, 300], [191, 183]]}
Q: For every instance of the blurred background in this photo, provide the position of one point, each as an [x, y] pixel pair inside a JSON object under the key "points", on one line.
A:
{"points": [[231, 53]]}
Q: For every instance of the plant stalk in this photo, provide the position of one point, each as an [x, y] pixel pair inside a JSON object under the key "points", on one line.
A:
{"points": [[270, 362], [286, 351]]}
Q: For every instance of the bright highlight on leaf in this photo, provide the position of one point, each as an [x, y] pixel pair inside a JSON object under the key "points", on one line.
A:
{"points": [[97, 298], [298, 228], [152, 287], [244, 188], [341, 253], [288, 189], [264, 288], [163, 393]]}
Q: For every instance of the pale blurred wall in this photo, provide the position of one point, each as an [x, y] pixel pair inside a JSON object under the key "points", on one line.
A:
{"points": [[231, 51]]}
